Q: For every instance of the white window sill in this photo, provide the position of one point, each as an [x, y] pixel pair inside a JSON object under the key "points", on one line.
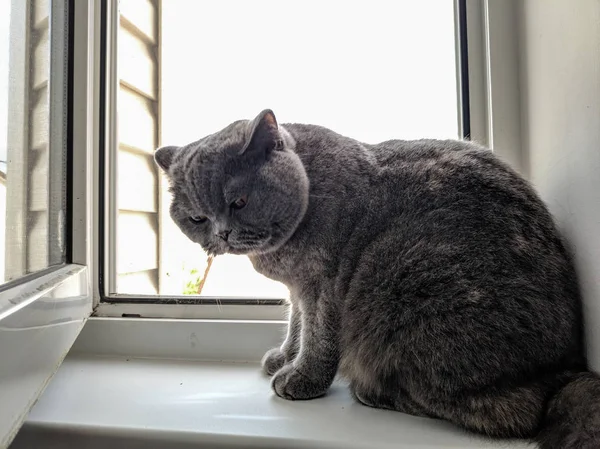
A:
{"points": [[183, 384], [184, 404]]}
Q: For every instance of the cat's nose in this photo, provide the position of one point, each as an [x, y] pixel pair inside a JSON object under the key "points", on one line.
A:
{"points": [[224, 234]]}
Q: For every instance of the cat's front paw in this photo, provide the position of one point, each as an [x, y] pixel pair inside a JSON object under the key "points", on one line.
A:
{"points": [[273, 361], [289, 383]]}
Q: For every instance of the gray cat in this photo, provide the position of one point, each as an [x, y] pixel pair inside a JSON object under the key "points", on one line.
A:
{"points": [[427, 273]]}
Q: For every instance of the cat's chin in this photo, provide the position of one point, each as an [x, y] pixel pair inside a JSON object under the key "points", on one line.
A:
{"points": [[239, 249], [270, 244], [249, 250]]}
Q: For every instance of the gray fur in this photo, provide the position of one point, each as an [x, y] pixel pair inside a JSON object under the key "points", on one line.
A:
{"points": [[427, 273]]}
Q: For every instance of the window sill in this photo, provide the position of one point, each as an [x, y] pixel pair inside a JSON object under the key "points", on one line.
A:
{"points": [[97, 402]]}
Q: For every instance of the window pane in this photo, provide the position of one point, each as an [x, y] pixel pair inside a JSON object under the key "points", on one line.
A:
{"points": [[32, 136], [370, 70]]}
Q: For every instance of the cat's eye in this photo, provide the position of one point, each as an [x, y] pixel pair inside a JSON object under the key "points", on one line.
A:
{"points": [[240, 203], [197, 219]]}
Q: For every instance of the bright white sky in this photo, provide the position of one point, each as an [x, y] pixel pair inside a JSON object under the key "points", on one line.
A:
{"points": [[372, 70]]}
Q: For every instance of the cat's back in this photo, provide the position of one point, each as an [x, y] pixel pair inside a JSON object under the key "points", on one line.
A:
{"points": [[448, 156], [453, 174], [319, 146], [446, 186], [460, 191]]}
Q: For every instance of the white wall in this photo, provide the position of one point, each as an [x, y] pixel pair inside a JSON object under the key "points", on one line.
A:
{"points": [[560, 113]]}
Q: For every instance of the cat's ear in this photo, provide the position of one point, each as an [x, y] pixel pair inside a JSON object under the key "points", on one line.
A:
{"points": [[264, 137], [164, 156]]}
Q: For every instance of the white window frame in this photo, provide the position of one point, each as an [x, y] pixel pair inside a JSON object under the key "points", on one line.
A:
{"points": [[493, 78], [42, 314]]}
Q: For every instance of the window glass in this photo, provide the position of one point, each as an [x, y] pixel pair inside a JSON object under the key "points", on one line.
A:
{"points": [[372, 70]]}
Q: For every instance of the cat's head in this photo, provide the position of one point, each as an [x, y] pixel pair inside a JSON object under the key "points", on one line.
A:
{"points": [[242, 190]]}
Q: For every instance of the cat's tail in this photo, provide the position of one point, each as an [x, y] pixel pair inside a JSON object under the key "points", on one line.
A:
{"points": [[573, 416]]}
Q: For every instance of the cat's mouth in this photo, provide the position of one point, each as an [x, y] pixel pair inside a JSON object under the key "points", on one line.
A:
{"points": [[237, 248], [259, 243], [247, 248]]}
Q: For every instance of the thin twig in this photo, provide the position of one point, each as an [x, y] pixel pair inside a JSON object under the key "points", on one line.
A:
{"points": [[208, 265]]}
